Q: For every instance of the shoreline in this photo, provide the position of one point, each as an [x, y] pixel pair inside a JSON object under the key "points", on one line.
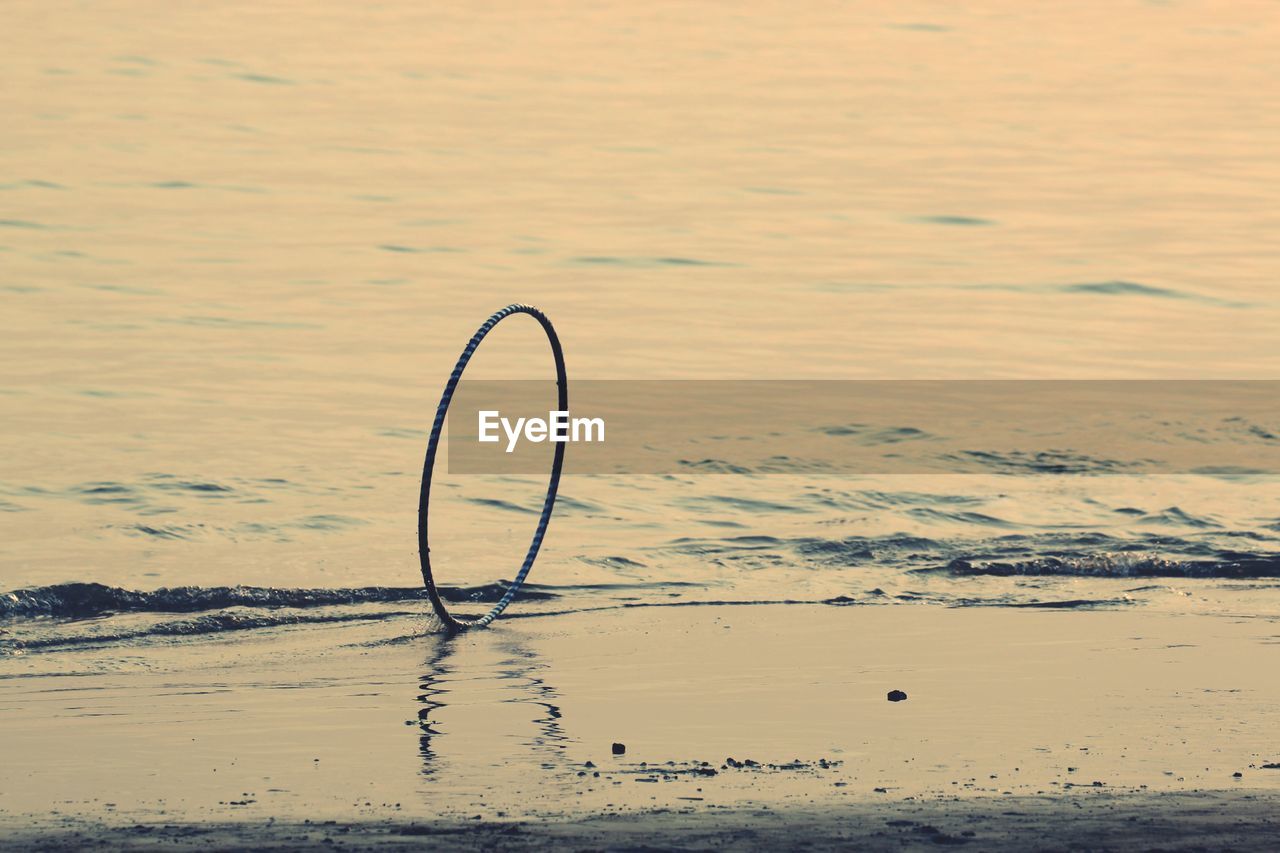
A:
{"points": [[1171, 821]]}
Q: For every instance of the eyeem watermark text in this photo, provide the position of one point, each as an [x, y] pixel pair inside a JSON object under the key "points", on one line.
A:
{"points": [[558, 427]]}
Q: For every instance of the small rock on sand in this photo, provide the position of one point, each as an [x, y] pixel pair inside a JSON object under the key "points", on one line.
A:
{"points": [[619, 749], [897, 696]]}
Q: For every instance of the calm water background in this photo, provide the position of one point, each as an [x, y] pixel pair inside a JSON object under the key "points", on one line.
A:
{"points": [[241, 246]]}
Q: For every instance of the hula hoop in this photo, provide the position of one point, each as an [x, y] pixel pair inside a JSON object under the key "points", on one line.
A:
{"points": [[424, 497]]}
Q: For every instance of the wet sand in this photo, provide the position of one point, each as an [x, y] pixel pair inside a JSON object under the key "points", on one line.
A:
{"points": [[748, 724], [1168, 821]]}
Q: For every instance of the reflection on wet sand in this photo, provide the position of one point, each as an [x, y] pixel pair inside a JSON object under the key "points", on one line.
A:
{"points": [[455, 667], [436, 672]]}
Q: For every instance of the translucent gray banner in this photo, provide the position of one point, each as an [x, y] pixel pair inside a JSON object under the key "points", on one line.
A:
{"points": [[1215, 427]]}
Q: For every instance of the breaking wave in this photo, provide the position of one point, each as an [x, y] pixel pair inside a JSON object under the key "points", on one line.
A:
{"points": [[82, 600], [1125, 566]]}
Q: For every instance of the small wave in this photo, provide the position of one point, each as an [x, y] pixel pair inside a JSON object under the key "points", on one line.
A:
{"points": [[1067, 604], [647, 262], [1122, 288], [498, 503], [1110, 565], [213, 623], [614, 562], [732, 544], [961, 517], [952, 219], [86, 600], [1133, 288], [874, 436], [738, 504], [712, 466], [200, 488], [1178, 517], [242, 620], [1040, 462], [81, 600], [570, 504]]}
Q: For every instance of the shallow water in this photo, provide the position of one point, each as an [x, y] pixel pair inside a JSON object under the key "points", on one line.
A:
{"points": [[240, 252]]}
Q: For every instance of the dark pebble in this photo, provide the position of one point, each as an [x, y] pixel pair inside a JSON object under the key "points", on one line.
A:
{"points": [[619, 749], [897, 696]]}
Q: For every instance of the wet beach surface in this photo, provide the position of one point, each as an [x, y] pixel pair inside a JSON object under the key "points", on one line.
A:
{"points": [[1172, 822], [730, 717]]}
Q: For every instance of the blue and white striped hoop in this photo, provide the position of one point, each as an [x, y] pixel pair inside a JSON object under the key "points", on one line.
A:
{"points": [[433, 444]]}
